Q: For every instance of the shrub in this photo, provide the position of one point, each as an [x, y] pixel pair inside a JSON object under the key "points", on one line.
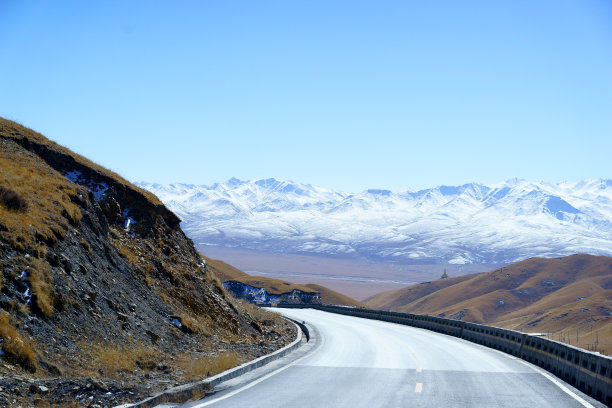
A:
{"points": [[12, 200], [211, 365], [40, 281], [113, 360], [15, 348]]}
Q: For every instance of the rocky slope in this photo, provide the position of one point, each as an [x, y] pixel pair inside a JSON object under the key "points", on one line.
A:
{"points": [[101, 294], [569, 297], [468, 224]]}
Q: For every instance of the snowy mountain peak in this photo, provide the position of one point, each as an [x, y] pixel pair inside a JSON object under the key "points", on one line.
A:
{"points": [[498, 223]]}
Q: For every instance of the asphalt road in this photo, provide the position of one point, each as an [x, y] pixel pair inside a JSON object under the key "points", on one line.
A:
{"points": [[367, 363]]}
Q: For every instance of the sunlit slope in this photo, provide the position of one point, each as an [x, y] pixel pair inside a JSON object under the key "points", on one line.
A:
{"points": [[223, 270], [98, 267], [330, 297], [570, 297]]}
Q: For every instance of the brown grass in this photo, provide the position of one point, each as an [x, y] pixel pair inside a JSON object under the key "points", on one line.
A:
{"points": [[16, 349], [48, 194], [12, 200], [38, 278], [331, 297], [227, 272], [223, 270], [15, 131], [41, 284], [86, 246], [199, 368], [569, 298], [113, 360]]}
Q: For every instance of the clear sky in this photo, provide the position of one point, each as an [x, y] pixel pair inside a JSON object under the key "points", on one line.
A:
{"points": [[343, 94]]}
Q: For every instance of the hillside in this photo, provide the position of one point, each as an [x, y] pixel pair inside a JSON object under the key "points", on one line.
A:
{"points": [[101, 291], [471, 224], [223, 270], [569, 297], [226, 272], [331, 297]]}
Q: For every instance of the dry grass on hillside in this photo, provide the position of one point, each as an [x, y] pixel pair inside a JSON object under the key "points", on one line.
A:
{"points": [[198, 368], [47, 194], [112, 360], [223, 270], [16, 347], [330, 297], [570, 298], [41, 284], [12, 200], [12, 130]]}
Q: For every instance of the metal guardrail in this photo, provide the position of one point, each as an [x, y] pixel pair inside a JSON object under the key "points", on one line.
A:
{"points": [[588, 371]]}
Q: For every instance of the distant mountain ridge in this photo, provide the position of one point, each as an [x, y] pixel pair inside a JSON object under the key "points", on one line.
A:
{"points": [[472, 223]]}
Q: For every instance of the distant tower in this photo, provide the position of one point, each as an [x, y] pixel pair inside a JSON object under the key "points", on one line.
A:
{"points": [[444, 275]]}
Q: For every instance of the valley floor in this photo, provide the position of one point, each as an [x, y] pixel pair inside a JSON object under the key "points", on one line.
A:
{"points": [[356, 278]]}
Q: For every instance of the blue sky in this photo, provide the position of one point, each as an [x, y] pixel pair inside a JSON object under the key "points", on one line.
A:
{"points": [[347, 95]]}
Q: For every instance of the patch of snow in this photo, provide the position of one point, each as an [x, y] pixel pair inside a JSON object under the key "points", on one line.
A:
{"points": [[128, 220], [73, 175], [176, 322], [98, 190]]}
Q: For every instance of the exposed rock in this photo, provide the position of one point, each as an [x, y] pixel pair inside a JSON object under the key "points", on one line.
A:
{"points": [[75, 222], [100, 385]]}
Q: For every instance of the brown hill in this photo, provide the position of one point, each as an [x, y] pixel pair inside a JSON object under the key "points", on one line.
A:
{"points": [[223, 270], [569, 298], [99, 281], [226, 272], [331, 297]]}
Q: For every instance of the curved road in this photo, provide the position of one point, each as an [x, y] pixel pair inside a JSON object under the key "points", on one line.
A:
{"points": [[367, 363]]}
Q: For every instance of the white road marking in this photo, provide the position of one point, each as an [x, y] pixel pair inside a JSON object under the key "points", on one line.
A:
{"points": [[419, 369], [418, 387], [548, 376], [265, 377], [559, 384]]}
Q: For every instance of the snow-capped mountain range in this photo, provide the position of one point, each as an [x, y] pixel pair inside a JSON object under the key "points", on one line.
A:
{"points": [[472, 223]]}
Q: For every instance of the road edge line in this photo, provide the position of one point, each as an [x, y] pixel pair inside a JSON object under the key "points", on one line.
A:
{"points": [[320, 341], [183, 393]]}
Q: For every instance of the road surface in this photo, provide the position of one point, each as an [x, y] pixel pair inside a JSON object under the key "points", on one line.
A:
{"points": [[367, 363]]}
